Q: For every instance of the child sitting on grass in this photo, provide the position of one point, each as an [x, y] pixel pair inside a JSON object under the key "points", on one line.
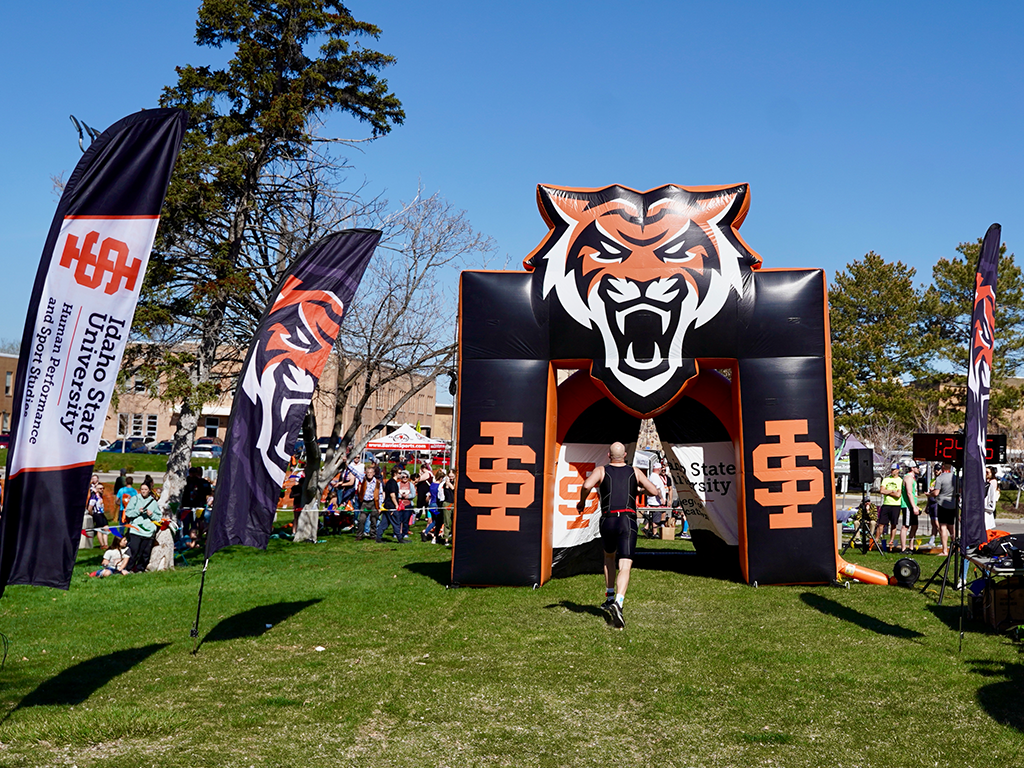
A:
{"points": [[115, 559]]}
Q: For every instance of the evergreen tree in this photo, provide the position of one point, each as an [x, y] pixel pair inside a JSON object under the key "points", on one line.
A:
{"points": [[878, 343], [252, 186], [949, 304]]}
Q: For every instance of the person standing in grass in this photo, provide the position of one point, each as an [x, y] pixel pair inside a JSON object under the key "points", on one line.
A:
{"points": [[368, 498], [945, 491], [991, 498], [124, 498], [95, 506], [891, 506], [910, 511], [143, 514], [392, 511], [619, 485], [446, 496]]}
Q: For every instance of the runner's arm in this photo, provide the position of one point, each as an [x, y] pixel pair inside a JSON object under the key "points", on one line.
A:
{"points": [[588, 485]]}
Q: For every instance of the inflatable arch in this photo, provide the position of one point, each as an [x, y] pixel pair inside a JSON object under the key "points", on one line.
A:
{"points": [[651, 294]]}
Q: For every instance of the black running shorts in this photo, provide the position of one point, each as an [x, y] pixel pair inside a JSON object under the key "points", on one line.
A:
{"points": [[618, 534], [947, 515], [889, 513]]}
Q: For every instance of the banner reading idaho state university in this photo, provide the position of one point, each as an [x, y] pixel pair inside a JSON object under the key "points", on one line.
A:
{"points": [[284, 363], [79, 316]]}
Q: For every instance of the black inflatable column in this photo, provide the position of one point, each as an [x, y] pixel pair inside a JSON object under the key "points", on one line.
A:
{"points": [[784, 380], [503, 403]]}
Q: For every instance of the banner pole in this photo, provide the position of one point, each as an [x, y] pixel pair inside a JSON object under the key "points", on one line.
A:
{"points": [[194, 633]]}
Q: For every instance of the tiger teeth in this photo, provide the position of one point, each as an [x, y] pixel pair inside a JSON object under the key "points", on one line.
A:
{"points": [[620, 316], [632, 362]]}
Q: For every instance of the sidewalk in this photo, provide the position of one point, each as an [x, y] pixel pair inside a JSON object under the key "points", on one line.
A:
{"points": [[1010, 526]]}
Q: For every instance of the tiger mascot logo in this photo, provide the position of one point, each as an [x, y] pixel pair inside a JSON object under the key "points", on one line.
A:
{"points": [[285, 367], [639, 269]]}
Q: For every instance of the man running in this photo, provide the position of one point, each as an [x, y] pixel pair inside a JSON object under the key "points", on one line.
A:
{"points": [[619, 485]]}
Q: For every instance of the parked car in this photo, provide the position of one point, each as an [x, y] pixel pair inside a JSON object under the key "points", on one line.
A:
{"points": [[209, 441], [5, 441], [163, 447], [1011, 481], [129, 445], [206, 451], [104, 444]]}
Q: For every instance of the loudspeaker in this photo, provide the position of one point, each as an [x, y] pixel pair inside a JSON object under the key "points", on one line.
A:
{"points": [[862, 467]]}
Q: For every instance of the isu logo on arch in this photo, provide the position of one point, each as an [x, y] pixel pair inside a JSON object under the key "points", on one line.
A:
{"points": [[776, 463], [489, 464]]}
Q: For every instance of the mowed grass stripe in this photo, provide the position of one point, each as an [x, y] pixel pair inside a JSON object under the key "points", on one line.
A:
{"points": [[708, 672]]}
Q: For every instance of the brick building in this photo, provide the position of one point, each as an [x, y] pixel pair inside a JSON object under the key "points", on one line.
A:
{"points": [[138, 412], [8, 370]]}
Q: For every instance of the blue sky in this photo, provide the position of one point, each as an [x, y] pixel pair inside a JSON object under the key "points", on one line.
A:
{"points": [[893, 127]]}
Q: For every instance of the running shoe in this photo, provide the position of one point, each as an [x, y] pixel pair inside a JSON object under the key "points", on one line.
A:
{"points": [[617, 620], [607, 604]]}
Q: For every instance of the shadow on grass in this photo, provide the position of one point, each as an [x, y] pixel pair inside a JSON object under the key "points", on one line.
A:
{"points": [[1001, 699], [949, 614], [76, 684], [253, 623], [439, 572], [840, 611], [591, 610], [687, 563]]}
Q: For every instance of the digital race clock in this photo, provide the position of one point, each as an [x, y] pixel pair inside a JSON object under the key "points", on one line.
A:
{"points": [[950, 449]]}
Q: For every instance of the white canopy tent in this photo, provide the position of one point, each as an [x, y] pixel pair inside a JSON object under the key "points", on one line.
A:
{"points": [[406, 438]]}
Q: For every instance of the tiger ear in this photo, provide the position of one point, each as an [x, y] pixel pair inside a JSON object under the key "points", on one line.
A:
{"points": [[733, 200], [729, 205], [569, 202], [556, 204]]}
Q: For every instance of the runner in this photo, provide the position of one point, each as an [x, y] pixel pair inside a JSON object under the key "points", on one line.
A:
{"points": [[619, 485]]}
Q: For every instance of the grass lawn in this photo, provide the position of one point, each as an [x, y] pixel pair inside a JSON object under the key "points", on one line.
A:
{"points": [[142, 463], [707, 672]]}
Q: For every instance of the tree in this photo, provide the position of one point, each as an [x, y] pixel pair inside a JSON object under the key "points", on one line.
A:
{"points": [[888, 437], [880, 343], [399, 328], [949, 304], [241, 202]]}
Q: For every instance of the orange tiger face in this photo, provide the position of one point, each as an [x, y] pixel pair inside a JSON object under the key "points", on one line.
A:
{"points": [[642, 269]]}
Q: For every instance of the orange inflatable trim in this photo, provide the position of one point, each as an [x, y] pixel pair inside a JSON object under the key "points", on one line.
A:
{"points": [[860, 573]]}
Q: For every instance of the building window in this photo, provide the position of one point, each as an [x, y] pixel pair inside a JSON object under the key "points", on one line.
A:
{"points": [[212, 425], [8, 383], [123, 420], [151, 423], [7, 422], [140, 385], [136, 425]]}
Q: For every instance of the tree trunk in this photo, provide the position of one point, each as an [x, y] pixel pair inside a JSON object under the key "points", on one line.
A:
{"points": [[180, 459], [309, 517]]}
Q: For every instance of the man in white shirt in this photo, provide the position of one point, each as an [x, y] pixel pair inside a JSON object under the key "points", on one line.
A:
{"points": [[658, 480]]}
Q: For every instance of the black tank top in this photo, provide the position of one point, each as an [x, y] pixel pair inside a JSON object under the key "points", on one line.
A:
{"points": [[618, 489]]}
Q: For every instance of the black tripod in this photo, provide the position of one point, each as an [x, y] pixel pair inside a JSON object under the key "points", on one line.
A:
{"points": [[955, 556], [863, 530]]}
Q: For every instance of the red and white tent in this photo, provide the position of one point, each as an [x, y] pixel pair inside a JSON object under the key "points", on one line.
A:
{"points": [[406, 438]]}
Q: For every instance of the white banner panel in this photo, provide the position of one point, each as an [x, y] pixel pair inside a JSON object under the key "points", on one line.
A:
{"points": [[81, 328], [575, 463], [710, 468]]}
